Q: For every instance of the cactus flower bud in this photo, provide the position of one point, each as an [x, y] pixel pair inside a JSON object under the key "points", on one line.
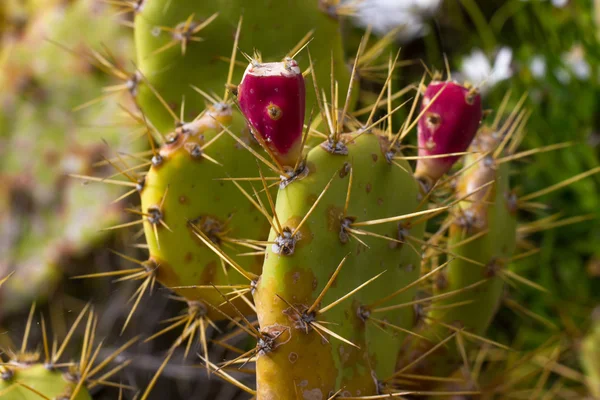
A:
{"points": [[272, 97], [448, 126]]}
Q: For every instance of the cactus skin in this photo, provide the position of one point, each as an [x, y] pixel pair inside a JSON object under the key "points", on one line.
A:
{"points": [[195, 194], [51, 383], [379, 190], [448, 126], [172, 73], [272, 97]]}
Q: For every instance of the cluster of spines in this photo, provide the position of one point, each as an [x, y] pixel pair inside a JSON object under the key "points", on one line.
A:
{"points": [[27, 374]]}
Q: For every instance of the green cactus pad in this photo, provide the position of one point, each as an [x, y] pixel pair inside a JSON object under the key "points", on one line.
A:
{"points": [[379, 190], [183, 187]]}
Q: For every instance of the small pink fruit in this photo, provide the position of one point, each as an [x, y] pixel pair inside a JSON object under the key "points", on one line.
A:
{"points": [[448, 126], [272, 97]]}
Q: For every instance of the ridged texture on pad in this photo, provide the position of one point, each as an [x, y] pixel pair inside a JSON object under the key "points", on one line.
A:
{"points": [[448, 126], [302, 363], [195, 193], [50, 383], [172, 73]]}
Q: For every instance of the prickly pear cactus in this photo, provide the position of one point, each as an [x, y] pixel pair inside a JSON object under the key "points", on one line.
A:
{"points": [[366, 264]]}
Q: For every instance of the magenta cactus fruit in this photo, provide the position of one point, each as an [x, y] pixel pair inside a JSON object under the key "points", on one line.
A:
{"points": [[451, 118], [272, 97]]}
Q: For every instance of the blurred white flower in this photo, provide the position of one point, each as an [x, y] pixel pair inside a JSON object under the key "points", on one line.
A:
{"points": [[386, 15], [477, 68], [576, 62], [537, 66]]}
